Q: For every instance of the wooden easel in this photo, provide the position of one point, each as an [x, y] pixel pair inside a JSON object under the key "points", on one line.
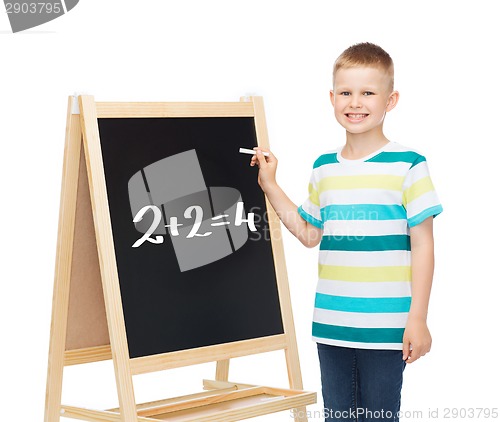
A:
{"points": [[87, 316]]}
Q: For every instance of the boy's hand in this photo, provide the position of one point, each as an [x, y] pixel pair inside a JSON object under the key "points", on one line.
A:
{"points": [[416, 340], [267, 167], [286, 210]]}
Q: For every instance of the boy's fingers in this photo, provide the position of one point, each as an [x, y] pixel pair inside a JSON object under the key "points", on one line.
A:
{"points": [[261, 158], [418, 352], [271, 157], [406, 350], [261, 149]]}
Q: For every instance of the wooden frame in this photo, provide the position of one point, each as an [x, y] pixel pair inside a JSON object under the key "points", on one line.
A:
{"points": [[84, 209]]}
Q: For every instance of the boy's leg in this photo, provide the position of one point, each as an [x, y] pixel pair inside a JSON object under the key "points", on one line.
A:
{"points": [[338, 381], [380, 383]]}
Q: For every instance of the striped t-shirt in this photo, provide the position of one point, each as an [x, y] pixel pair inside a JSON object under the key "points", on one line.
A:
{"points": [[366, 208]]}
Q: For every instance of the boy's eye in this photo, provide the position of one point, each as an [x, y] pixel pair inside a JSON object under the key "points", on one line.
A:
{"points": [[368, 93], [345, 93]]}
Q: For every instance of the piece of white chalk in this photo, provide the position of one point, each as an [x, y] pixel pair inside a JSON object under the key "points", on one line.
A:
{"points": [[251, 151]]}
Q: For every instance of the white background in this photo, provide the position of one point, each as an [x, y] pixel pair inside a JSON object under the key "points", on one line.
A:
{"points": [[447, 73]]}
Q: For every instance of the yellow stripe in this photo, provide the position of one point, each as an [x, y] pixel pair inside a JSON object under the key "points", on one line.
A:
{"points": [[388, 273], [313, 195], [424, 185], [375, 181]]}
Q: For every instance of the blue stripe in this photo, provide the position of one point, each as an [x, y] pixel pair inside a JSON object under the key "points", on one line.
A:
{"points": [[389, 242], [410, 157], [360, 335], [363, 304], [363, 212], [417, 161], [309, 218], [420, 217], [326, 159]]}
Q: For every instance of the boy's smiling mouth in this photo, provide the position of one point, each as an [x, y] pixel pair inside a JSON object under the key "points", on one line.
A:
{"points": [[356, 117]]}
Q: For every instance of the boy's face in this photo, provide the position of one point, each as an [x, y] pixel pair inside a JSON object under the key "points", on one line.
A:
{"points": [[361, 96]]}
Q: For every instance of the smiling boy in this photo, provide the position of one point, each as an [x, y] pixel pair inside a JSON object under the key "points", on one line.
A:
{"points": [[371, 205]]}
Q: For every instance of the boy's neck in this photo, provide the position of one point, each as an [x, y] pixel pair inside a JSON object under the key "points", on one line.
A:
{"points": [[359, 145]]}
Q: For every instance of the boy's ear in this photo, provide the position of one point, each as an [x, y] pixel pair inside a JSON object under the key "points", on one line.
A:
{"points": [[392, 101], [332, 97]]}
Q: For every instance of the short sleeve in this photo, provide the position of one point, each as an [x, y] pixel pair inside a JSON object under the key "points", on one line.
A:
{"points": [[310, 210], [419, 196]]}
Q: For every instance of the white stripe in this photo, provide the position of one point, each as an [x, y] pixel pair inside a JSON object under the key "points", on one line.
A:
{"points": [[311, 209], [364, 288], [397, 147], [364, 259], [365, 227], [360, 319], [390, 169], [361, 196], [352, 344]]}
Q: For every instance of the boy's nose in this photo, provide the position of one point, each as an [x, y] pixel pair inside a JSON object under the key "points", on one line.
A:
{"points": [[355, 103]]}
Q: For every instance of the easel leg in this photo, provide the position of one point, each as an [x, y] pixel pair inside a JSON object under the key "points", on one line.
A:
{"points": [[222, 370], [107, 259], [62, 278], [294, 376], [291, 352]]}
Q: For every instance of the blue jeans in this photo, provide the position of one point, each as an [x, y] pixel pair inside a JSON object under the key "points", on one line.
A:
{"points": [[361, 385]]}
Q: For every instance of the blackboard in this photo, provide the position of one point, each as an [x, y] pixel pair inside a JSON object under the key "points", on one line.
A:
{"points": [[130, 285], [167, 305]]}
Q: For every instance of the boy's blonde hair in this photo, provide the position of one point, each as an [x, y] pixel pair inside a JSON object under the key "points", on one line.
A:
{"points": [[368, 55]]}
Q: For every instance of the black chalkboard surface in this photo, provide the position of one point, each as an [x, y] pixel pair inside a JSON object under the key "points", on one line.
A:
{"points": [[188, 285]]}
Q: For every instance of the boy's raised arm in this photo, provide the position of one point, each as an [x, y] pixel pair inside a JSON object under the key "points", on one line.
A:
{"points": [[308, 234]]}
